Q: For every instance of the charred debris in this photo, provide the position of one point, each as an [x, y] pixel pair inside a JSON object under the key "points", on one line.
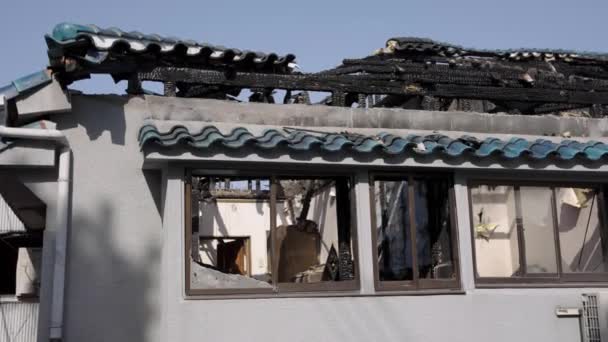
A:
{"points": [[409, 73]]}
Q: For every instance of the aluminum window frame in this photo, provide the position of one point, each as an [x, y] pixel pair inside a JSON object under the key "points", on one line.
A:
{"points": [[559, 279], [277, 289], [416, 284]]}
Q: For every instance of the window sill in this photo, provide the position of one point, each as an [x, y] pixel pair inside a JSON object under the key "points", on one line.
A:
{"points": [[334, 294], [479, 285], [8, 299]]}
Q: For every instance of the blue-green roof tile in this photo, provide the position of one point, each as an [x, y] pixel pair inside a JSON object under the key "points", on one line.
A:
{"points": [[382, 144]]}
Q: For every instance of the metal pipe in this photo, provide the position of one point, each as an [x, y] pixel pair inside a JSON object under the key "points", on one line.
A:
{"points": [[61, 220], [61, 237], [34, 133]]}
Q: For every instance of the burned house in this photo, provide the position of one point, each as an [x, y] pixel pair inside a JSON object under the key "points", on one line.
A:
{"points": [[427, 192]]}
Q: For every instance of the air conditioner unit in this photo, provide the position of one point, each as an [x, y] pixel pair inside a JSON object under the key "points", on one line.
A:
{"points": [[594, 318]]}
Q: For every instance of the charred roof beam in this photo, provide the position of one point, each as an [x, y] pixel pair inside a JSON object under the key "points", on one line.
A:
{"points": [[370, 84]]}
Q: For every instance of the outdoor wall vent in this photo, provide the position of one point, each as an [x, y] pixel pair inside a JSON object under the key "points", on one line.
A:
{"points": [[590, 320]]}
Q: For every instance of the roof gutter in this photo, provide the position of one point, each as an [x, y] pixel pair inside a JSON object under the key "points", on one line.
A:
{"points": [[61, 220]]}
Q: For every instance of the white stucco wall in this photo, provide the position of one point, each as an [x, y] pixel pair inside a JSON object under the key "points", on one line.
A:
{"points": [[477, 315], [125, 278], [114, 244]]}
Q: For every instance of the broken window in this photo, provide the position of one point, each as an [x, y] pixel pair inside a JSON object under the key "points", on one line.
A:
{"points": [[274, 234], [414, 232], [538, 233], [230, 255], [230, 235]]}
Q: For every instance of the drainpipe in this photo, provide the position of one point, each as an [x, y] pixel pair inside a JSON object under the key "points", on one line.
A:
{"points": [[61, 241], [61, 221]]}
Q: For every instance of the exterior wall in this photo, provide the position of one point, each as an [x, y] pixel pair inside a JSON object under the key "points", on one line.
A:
{"points": [[476, 315], [114, 243], [125, 278], [19, 321]]}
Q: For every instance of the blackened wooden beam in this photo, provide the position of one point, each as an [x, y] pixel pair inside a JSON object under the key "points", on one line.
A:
{"points": [[134, 86], [338, 98], [369, 84], [170, 89], [524, 95], [509, 75], [310, 82]]}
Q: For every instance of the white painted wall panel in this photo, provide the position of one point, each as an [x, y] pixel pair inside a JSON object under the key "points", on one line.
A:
{"points": [[18, 321]]}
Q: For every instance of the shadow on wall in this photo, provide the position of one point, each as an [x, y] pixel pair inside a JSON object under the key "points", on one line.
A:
{"points": [[112, 282], [109, 117]]}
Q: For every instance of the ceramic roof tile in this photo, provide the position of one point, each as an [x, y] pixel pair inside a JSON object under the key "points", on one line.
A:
{"points": [[415, 44], [104, 40], [382, 144]]}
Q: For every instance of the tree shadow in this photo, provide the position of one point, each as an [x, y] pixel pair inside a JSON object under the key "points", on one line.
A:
{"points": [[113, 278]]}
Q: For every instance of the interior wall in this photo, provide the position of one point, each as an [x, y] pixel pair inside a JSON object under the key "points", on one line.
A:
{"points": [[240, 218], [578, 228], [538, 227], [496, 254], [252, 219], [323, 211]]}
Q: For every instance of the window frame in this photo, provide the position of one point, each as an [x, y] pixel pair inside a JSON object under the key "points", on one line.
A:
{"points": [[416, 284], [277, 289], [559, 279]]}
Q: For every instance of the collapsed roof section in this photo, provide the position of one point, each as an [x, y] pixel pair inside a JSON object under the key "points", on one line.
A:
{"points": [[531, 81], [410, 73], [401, 45]]}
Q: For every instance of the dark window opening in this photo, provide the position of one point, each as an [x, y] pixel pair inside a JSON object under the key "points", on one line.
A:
{"points": [[20, 254], [414, 233], [226, 254]]}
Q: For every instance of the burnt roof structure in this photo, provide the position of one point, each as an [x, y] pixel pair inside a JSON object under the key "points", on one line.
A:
{"points": [[411, 73], [76, 51]]}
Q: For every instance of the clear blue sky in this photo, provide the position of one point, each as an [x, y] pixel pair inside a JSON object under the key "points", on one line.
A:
{"points": [[319, 33]]}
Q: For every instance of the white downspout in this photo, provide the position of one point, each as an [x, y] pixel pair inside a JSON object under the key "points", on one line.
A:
{"points": [[61, 241], [61, 220]]}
